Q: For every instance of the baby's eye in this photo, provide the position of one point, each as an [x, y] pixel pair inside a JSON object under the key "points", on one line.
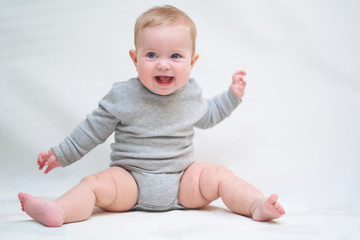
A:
{"points": [[175, 56], [151, 55]]}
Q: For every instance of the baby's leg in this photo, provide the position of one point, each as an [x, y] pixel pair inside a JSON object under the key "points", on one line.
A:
{"points": [[203, 183], [113, 189]]}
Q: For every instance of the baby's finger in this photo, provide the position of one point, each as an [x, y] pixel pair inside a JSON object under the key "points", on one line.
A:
{"points": [[236, 79], [238, 76], [48, 165], [51, 164], [41, 166], [241, 72], [42, 158], [240, 82], [243, 83], [48, 169]]}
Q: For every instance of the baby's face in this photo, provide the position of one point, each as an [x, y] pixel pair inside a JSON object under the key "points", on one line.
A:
{"points": [[164, 57]]}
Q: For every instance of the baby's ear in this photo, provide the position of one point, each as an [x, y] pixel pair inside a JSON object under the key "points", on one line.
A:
{"points": [[194, 59], [133, 56]]}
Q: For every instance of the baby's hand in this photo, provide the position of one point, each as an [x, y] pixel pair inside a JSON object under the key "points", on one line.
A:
{"points": [[48, 159], [238, 84]]}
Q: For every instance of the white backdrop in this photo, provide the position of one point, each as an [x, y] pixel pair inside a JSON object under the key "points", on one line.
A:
{"points": [[297, 132]]}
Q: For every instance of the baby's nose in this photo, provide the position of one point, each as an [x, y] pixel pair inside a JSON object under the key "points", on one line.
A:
{"points": [[163, 65]]}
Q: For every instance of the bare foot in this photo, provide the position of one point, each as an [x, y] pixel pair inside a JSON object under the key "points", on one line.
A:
{"points": [[267, 209], [42, 210]]}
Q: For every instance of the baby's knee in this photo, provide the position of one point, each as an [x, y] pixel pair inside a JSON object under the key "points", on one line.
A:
{"points": [[101, 184], [217, 171], [91, 180]]}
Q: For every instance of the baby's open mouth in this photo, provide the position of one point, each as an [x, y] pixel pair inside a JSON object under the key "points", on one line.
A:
{"points": [[164, 79]]}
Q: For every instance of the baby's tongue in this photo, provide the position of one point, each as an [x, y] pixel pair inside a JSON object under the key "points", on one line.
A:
{"points": [[164, 79]]}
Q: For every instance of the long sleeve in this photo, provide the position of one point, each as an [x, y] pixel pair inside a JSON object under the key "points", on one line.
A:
{"points": [[219, 107], [94, 130]]}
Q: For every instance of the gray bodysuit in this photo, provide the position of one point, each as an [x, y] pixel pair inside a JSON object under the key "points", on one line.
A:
{"points": [[153, 135]]}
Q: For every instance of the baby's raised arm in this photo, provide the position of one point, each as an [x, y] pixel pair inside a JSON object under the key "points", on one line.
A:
{"points": [[48, 159], [238, 84]]}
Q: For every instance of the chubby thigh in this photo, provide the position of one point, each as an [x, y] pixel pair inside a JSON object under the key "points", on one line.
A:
{"points": [[200, 183], [114, 188]]}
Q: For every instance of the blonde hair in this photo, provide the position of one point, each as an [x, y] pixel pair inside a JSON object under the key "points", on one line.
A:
{"points": [[164, 15]]}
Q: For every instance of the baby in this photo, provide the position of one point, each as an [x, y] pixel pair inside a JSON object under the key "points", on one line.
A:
{"points": [[152, 165]]}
